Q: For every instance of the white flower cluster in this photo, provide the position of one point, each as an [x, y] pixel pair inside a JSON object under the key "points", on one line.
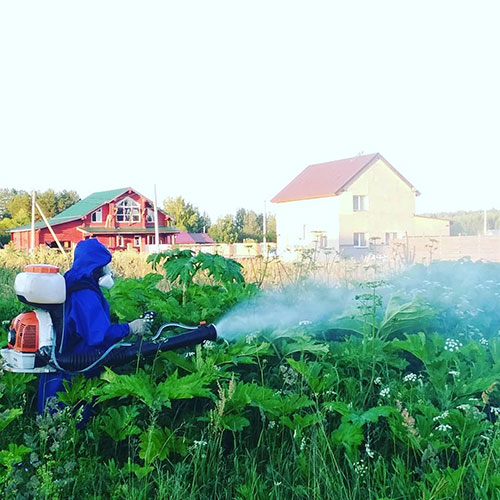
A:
{"points": [[369, 452], [199, 444], [360, 468], [452, 345], [305, 322], [189, 354], [464, 407], [454, 373], [483, 341], [378, 381], [443, 427], [495, 410], [290, 376], [385, 392], [442, 416], [209, 344], [250, 338], [410, 377]]}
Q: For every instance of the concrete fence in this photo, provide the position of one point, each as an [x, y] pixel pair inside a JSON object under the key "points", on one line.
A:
{"points": [[231, 250], [423, 249]]}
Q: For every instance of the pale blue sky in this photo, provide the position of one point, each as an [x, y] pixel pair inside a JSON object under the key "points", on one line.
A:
{"points": [[224, 102]]}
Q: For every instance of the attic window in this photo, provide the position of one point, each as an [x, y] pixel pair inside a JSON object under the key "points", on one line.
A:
{"points": [[128, 210], [359, 203], [96, 216], [150, 215]]}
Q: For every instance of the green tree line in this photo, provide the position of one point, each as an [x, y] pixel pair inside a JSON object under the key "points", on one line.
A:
{"points": [[15, 207], [245, 225], [470, 223]]}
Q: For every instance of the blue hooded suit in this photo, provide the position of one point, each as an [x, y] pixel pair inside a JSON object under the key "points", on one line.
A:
{"points": [[87, 324]]}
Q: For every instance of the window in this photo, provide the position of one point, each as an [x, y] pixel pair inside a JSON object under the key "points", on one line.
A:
{"points": [[119, 241], [360, 240], [359, 203], [151, 240], [128, 210], [96, 216], [150, 215], [137, 241], [389, 237]]}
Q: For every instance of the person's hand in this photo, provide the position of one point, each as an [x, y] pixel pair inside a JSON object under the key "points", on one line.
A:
{"points": [[139, 326]]}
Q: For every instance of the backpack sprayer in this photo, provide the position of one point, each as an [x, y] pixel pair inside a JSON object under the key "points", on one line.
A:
{"points": [[35, 338]]}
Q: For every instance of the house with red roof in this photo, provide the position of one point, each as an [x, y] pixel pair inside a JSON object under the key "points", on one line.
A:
{"points": [[120, 218], [348, 204]]}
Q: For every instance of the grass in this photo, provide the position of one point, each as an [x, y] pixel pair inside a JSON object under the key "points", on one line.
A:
{"points": [[403, 405]]}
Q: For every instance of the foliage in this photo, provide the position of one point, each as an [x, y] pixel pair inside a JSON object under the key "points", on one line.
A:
{"points": [[224, 230], [470, 223], [15, 207], [187, 217], [403, 404]]}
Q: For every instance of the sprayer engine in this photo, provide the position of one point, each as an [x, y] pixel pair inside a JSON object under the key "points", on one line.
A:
{"points": [[32, 334], [35, 337], [30, 341]]}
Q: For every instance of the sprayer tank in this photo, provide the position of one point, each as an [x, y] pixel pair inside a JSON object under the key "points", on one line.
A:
{"points": [[40, 284]]}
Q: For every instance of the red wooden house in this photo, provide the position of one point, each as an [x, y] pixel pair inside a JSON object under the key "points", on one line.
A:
{"points": [[120, 218]]}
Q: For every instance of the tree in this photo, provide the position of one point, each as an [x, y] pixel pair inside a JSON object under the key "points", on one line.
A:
{"points": [[66, 199], [187, 217], [252, 226], [224, 230], [6, 196], [47, 201], [19, 202], [271, 227]]}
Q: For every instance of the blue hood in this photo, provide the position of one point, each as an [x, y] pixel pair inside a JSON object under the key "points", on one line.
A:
{"points": [[89, 255]]}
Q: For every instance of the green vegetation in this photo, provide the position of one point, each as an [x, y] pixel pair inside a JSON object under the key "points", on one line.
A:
{"points": [[470, 223], [391, 394], [15, 207]]}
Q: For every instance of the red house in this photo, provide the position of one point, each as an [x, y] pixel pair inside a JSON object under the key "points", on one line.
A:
{"points": [[119, 218]]}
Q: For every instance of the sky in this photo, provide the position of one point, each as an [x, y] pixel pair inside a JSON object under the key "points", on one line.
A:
{"points": [[225, 102]]}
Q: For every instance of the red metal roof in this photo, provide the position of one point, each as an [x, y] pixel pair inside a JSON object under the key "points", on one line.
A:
{"points": [[328, 179], [185, 238]]}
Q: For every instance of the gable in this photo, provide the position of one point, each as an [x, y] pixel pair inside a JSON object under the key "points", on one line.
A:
{"points": [[86, 206], [329, 179]]}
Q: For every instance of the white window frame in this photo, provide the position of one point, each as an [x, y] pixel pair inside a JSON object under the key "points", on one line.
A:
{"points": [[128, 210], [389, 236], [96, 216], [359, 202], [150, 215], [137, 241], [151, 239], [120, 241], [358, 240]]}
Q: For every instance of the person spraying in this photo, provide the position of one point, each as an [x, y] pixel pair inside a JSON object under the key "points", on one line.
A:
{"points": [[87, 323]]}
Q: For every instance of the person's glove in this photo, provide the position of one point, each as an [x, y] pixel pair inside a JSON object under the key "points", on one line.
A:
{"points": [[139, 326]]}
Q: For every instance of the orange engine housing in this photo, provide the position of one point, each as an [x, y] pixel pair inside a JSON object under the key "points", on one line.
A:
{"points": [[24, 332]]}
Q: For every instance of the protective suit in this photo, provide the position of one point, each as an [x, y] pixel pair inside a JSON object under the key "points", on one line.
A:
{"points": [[87, 324]]}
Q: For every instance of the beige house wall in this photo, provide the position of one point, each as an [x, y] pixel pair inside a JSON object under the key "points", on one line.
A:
{"points": [[427, 226], [301, 223], [391, 206]]}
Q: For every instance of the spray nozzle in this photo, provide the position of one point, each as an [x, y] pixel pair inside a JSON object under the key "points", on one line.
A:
{"points": [[149, 316]]}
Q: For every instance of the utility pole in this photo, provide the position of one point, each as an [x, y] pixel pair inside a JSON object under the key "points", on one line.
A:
{"points": [[32, 245], [264, 224], [157, 229]]}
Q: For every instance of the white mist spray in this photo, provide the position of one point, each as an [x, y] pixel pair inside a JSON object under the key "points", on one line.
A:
{"points": [[278, 310]]}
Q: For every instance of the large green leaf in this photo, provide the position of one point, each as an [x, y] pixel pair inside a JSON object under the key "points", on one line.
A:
{"points": [[157, 443]]}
